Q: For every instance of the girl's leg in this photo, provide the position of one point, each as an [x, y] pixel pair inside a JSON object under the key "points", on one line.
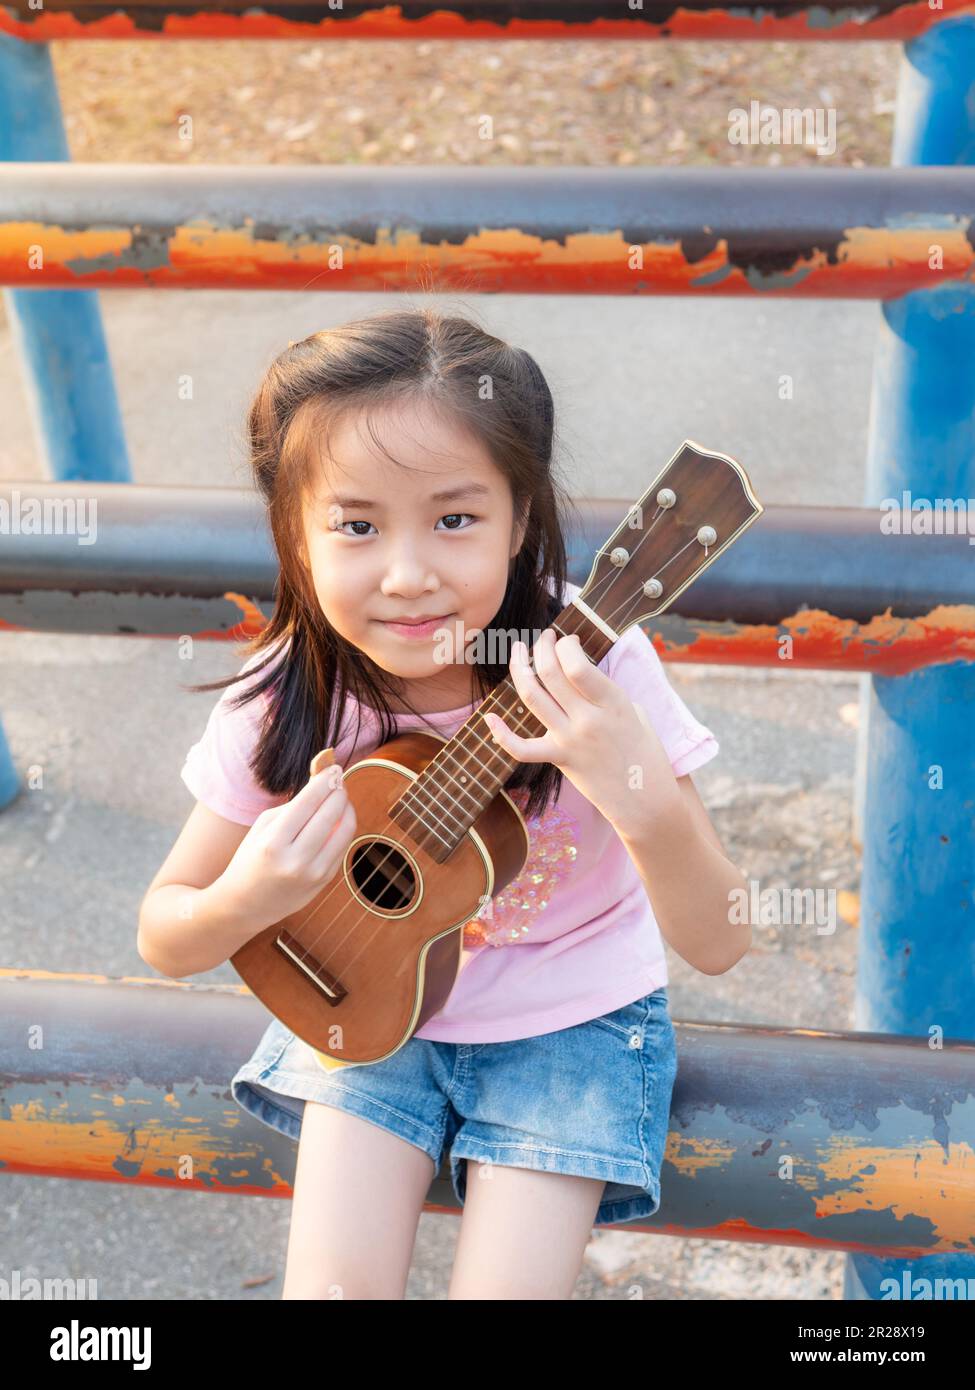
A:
{"points": [[358, 1195], [523, 1234]]}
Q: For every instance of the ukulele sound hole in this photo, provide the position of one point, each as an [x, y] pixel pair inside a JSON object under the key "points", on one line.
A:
{"points": [[383, 876]]}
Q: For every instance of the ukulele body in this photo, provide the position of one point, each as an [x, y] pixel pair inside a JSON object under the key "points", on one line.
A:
{"points": [[377, 951]]}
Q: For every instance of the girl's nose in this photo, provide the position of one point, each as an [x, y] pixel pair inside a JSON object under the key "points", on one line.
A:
{"points": [[409, 576]]}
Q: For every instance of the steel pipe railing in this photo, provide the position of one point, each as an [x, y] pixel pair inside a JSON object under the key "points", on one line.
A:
{"points": [[831, 1140], [170, 561], [840, 233]]}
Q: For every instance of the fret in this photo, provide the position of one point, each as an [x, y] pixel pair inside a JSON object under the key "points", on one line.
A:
{"points": [[446, 753], [451, 844], [497, 753], [481, 737], [474, 807], [477, 778], [424, 787], [411, 793]]}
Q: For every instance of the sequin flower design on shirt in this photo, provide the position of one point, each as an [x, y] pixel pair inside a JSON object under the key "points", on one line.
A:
{"points": [[552, 852]]}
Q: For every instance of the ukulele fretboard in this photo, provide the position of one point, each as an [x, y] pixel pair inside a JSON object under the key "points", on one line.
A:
{"points": [[461, 781]]}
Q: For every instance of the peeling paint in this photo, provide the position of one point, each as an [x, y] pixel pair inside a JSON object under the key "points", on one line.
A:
{"points": [[858, 262], [886, 645], [440, 19]]}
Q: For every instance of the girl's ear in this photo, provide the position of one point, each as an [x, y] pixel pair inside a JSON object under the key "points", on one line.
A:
{"points": [[519, 533]]}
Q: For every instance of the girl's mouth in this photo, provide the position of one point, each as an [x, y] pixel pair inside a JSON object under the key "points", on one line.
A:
{"points": [[417, 629]]}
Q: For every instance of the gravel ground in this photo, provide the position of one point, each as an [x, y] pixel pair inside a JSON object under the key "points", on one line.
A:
{"points": [[387, 102]]}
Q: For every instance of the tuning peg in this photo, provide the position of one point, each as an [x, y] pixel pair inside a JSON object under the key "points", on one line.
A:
{"points": [[326, 758]]}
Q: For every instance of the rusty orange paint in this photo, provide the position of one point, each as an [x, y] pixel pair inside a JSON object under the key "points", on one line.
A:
{"points": [[859, 1175], [690, 1025], [886, 646], [388, 23], [252, 622], [918, 1182], [736, 1229], [690, 1153], [870, 263], [89, 1152]]}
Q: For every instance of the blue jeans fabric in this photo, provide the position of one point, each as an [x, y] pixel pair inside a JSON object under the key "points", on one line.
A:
{"points": [[593, 1099]]}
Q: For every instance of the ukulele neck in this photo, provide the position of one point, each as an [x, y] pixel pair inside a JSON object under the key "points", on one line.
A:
{"points": [[464, 777], [696, 507]]}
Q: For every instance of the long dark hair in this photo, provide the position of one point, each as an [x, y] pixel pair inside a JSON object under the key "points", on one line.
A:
{"points": [[359, 366]]}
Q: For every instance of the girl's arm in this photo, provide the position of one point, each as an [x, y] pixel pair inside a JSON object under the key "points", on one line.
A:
{"points": [[222, 883], [599, 736], [689, 880], [188, 922]]}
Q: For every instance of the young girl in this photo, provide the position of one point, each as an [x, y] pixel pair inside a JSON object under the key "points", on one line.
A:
{"points": [[547, 1076]]}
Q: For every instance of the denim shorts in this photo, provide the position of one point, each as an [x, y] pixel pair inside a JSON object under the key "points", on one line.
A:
{"points": [[592, 1099]]}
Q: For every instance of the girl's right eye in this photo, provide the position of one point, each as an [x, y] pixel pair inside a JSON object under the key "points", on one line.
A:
{"points": [[351, 523]]}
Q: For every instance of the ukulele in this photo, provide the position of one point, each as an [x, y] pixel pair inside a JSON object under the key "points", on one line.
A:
{"points": [[375, 954]]}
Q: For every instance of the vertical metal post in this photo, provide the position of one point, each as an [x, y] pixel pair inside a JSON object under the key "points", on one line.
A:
{"points": [[59, 333], [63, 350], [917, 920], [9, 783]]}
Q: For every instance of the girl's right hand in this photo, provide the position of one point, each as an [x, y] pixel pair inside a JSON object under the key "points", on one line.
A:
{"points": [[291, 851]]}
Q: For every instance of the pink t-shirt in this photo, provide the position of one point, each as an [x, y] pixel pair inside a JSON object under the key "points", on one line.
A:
{"points": [[574, 935]]}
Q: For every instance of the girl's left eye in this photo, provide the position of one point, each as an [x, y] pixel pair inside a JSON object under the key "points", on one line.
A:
{"points": [[369, 523]]}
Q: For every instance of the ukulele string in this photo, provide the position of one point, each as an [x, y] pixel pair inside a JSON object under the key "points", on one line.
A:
{"points": [[606, 583]]}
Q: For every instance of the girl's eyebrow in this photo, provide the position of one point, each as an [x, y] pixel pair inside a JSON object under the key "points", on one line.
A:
{"points": [[452, 494]]}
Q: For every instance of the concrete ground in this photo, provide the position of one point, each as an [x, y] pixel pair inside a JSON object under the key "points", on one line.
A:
{"points": [[105, 718]]}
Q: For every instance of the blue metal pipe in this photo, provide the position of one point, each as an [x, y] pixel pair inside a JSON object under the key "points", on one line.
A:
{"points": [[916, 968], [9, 781], [59, 333], [933, 123]]}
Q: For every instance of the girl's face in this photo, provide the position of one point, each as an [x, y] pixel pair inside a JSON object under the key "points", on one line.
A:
{"points": [[385, 543]]}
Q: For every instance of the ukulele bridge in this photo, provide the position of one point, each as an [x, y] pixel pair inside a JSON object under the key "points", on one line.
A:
{"points": [[305, 961]]}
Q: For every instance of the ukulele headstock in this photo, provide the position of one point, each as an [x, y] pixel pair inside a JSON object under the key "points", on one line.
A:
{"points": [[698, 504]]}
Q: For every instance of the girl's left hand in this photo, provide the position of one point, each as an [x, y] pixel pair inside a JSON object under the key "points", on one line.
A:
{"points": [[593, 732]]}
